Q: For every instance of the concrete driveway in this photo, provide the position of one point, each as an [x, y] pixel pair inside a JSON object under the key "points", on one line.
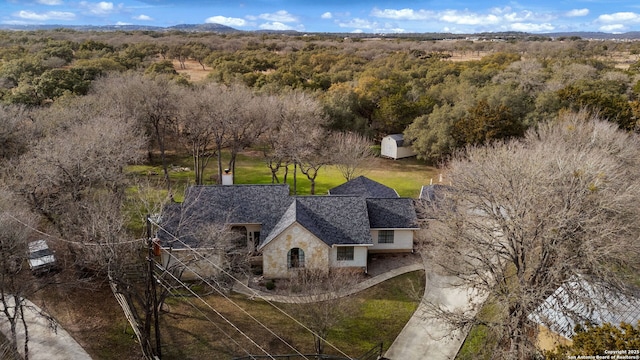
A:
{"points": [[45, 342], [427, 337]]}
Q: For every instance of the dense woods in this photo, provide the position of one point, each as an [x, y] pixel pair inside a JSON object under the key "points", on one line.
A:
{"points": [[372, 86], [76, 108]]}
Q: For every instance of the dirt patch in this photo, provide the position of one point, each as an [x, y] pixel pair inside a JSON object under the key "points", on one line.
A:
{"points": [[461, 56], [193, 70]]}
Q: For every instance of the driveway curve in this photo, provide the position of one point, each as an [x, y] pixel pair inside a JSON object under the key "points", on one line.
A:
{"points": [[46, 342]]}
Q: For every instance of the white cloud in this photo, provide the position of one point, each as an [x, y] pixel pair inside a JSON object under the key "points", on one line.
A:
{"points": [[100, 8], [612, 28], [493, 17], [280, 16], [357, 31], [228, 21], [50, 2], [49, 15], [529, 27], [392, 30], [326, 15], [358, 23], [455, 17], [275, 25], [143, 17], [522, 16], [403, 14], [121, 23], [577, 12], [619, 17]]}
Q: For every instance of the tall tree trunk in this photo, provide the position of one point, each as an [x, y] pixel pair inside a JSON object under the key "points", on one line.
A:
{"points": [[295, 178], [26, 329], [219, 151], [165, 167]]}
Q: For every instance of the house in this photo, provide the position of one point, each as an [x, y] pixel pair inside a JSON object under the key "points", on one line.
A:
{"points": [[318, 232], [394, 147], [567, 307], [293, 232]]}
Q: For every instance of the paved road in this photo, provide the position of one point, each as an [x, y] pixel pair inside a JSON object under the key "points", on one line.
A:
{"points": [[426, 337], [45, 343]]}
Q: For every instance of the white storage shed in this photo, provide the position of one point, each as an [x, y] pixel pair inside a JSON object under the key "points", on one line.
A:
{"points": [[394, 147]]}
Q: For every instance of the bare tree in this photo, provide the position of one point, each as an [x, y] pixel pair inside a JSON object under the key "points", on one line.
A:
{"points": [[319, 303], [75, 161], [294, 133], [247, 123], [15, 126], [152, 102], [13, 257], [215, 117], [270, 142], [315, 155], [350, 152], [527, 216], [199, 130]]}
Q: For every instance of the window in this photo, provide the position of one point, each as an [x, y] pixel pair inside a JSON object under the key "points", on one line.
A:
{"points": [[255, 237], [385, 237], [345, 252], [295, 258]]}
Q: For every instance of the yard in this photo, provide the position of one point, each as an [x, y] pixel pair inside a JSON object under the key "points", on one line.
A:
{"points": [[406, 176], [191, 329]]}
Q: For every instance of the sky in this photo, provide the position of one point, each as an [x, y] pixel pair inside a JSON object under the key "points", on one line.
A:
{"points": [[344, 16]]}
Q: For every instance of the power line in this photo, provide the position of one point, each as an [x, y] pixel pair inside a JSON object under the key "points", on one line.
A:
{"points": [[252, 290], [207, 317], [70, 241], [219, 314], [236, 305]]}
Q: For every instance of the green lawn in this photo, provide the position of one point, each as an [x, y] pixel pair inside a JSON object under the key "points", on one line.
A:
{"points": [[406, 176], [379, 314]]}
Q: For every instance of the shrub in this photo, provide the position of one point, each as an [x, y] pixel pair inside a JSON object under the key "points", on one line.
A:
{"points": [[270, 285]]}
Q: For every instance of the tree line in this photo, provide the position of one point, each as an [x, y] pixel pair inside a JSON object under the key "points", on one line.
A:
{"points": [[370, 86]]}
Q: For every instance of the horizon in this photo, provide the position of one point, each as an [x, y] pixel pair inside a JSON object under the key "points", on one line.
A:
{"points": [[376, 17]]}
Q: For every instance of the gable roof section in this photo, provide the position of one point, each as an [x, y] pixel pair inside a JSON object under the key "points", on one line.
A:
{"points": [[398, 138], [392, 213], [223, 204], [336, 220], [365, 187]]}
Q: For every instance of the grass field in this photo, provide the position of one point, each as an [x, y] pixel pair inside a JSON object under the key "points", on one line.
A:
{"points": [[406, 176], [379, 314]]}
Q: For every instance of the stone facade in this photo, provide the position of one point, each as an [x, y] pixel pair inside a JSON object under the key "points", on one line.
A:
{"points": [[275, 259]]}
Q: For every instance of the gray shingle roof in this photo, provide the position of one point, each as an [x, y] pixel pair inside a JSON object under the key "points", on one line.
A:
{"points": [[392, 213], [398, 138], [343, 219], [236, 204], [333, 219], [365, 187], [434, 193]]}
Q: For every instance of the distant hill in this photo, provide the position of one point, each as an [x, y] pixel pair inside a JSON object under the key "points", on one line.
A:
{"points": [[219, 28], [597, 35]]}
